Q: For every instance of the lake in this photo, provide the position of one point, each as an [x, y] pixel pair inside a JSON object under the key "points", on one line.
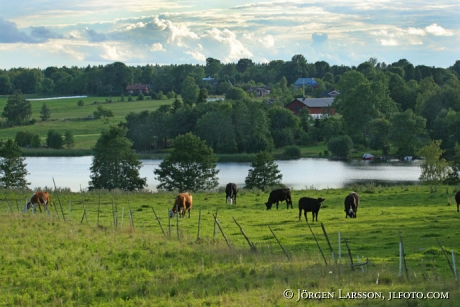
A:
{"points": [[74, 173]]}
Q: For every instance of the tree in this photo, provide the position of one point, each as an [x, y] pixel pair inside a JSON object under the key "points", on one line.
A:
{"points": [[115, 164], [434, 168], [69, 141], [189, 91], [407, 132], [190, 166], [264, 172], [340, 146], [12, 167], [45, 112], [453, 177], [54, 139], [104, 113], [17, 110]]}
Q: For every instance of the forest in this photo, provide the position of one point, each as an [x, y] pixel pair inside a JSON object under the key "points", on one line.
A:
{"points": [[396, 108]]}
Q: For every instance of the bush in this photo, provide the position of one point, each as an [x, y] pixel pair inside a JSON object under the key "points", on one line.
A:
{"points": [[291, 152], [54, 140], [35, 142], [340, 146], [23, 138], [80, 103]]}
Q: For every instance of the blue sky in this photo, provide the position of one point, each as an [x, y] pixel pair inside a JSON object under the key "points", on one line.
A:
{"points": [[42, 33]]}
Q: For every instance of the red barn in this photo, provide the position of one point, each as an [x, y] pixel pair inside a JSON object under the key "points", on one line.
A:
{"points": [[317, 106], [138, 88]]}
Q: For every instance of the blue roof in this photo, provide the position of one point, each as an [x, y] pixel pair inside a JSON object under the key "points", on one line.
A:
{"points": [[305, 81]]}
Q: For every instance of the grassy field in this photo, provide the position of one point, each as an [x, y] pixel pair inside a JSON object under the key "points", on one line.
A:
{"points": [[67, 115], [119, 255]]}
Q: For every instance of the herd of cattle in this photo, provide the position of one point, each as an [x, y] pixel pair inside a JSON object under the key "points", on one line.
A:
{"points": [[183, 202]]}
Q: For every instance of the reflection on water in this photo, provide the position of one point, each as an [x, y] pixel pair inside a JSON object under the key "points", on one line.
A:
{"points": [[74, 173]]}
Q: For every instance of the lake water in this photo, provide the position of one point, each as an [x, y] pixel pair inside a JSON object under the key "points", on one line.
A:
{"points": [[74, 173]]}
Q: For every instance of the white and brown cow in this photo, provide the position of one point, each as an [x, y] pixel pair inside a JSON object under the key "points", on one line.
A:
{"points": [[182, 203], [40, 198]]}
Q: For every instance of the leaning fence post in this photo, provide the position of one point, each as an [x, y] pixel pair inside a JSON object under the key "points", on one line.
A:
{"points": [[349, 254], [220, 228], [279, 243], [59, 200], [340, 248], [199, 224], [158, 220], [215, 230], [251, 245], [447, 258], [329, 243], [455, 267], [319, 247]]}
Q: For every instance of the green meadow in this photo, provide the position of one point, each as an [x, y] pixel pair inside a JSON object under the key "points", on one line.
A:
{"points": [[67, 115], [117, 254]]}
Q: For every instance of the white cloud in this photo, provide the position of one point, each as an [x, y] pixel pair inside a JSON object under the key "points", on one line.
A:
{"points": [[157, 47], [267, 41], [197, 56], [438, 30]]}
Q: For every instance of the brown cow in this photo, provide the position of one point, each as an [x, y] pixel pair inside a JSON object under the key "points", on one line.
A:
{"points": [[457, 199], [39, 198], [182, 203]]}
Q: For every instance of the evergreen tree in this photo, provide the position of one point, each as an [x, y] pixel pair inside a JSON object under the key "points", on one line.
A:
{"points": [[17, 110], [69, 141], [115, 164], [12, 167], [264, 172], [45, 112], [54, 139], [190, 166]]}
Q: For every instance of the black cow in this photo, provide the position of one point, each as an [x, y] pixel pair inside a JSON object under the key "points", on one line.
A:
{"points": [[351, 205], [312, 205], [457, 199], [230, 193], [279, 195]]}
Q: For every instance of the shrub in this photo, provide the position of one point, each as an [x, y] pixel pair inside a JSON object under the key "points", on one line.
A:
{"points": [[80, 103], [291, 152]]}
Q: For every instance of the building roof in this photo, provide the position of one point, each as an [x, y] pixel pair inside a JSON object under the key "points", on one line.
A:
{"points": [[305, 81], [317, 102], [136, 86]]}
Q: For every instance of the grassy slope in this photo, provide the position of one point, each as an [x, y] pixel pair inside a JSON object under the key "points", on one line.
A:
{"points": [[66, 115], [46, 261]]}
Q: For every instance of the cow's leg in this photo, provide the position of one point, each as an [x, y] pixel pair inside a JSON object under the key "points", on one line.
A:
{"points": [[300, 213], [458, 205]]}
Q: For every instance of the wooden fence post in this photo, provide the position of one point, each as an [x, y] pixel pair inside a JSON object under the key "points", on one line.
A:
{"points": [[199, 225], [158, 220], [279, 243], [220, 228], [447, 258], [329, 243], [319, 247], [251, 245], [59, 200], [349, 254]]}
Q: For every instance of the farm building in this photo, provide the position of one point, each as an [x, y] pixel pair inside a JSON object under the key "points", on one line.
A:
{"points": [[305, 83], [317, 106], [138, 88]]}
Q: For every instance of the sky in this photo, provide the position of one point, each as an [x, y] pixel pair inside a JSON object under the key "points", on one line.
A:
{"points": [[43, 33]]}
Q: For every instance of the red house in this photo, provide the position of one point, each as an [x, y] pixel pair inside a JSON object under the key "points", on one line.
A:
{"points": [[138, 88], [317, 106]]}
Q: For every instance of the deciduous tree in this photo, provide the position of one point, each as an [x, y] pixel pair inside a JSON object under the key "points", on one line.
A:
{"points": [[190, 166], [434, 167], [115, 165], [12, 167], [17, 110]]}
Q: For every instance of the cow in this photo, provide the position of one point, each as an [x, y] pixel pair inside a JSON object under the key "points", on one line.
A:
{"points": [[312, 205], [279, 195], [351, 205], [457, 199], [182, 203], [40, 198], [230, 193]]}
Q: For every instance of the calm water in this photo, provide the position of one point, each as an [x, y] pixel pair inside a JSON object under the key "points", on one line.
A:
{"points": [[74, 173]]}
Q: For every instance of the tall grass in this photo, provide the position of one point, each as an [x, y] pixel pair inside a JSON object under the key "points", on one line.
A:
{"points": [[117, 254]]}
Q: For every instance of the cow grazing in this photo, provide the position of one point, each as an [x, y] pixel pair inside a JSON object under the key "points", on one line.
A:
{"points": [[312, 205], [457, 199], [279, 195], [182, 203], [230, 193], [40, 198], [351, 205]]}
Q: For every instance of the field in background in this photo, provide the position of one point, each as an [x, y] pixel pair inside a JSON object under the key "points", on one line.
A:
{"points": [[67, 115], [117, 254]]}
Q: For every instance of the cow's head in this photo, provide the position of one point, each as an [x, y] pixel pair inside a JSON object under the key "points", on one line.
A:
{"points": [[320, 200], [269, 205], [229, 200], [351, 213], [171, 214]]}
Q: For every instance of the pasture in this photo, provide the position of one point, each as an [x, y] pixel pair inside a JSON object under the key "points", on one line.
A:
{"points": [[118, 255], [67, 115]]}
